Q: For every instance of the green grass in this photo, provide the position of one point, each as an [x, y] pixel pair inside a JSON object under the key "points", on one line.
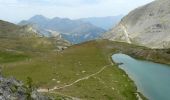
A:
{"points": [[68, 66], [6, 57]]}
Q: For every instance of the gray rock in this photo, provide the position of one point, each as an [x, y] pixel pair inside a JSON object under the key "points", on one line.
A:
{"points": [[12, 89], [148, 26]]}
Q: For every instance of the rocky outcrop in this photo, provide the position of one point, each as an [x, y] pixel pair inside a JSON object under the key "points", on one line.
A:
{"points": [[12, 89], [148, 26]]}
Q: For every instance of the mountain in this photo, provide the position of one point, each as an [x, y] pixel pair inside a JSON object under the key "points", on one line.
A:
{"points": [[148, 25], [11, 30], [14, 37], [75, 31], [103, 22], [86, 68]]}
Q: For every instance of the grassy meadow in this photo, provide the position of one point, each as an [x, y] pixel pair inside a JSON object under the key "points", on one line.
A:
{"points": [[50, 69]]}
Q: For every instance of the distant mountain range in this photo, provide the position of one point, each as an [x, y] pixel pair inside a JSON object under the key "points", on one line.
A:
{"points": [[104, 22], [75, 31], [148, 25]]}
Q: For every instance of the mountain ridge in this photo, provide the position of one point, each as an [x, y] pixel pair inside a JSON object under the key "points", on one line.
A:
{"points": [[27, 38], [147, 25], [68, 27]]}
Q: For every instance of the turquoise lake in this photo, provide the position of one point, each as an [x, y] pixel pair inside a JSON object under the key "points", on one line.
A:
{"points": [[151, 79]]}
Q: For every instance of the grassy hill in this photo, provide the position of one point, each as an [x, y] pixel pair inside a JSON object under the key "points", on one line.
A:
{"points": [[82, 71], [26, 38]]}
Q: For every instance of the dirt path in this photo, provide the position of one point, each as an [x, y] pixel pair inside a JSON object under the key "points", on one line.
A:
{"points": [[71, 84], [81, 79]]}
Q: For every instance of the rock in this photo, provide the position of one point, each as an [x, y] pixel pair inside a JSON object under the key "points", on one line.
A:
{"points": [[12, 89], [148, 26], [37, 96], [53, 79], [83, 71], [58, 82]]}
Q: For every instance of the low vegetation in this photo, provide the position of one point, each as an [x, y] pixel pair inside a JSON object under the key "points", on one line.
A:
{"points": [[83, 71], [6, 57]]}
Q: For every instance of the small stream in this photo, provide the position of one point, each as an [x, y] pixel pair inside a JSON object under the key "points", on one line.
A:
{"points": [[151, 79]]}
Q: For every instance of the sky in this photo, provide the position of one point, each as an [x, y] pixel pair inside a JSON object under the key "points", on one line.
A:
{"points": [[17, 10]]}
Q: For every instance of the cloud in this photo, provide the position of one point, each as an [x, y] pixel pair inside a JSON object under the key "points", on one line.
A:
{"points": [[50, 2], [16, 10], [68, 3]]}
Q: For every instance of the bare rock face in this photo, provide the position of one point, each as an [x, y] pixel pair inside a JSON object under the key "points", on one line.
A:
{"points": [[148, 26]]}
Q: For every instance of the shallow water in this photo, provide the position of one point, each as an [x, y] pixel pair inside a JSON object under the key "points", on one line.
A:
{"points": [[152, 79]]}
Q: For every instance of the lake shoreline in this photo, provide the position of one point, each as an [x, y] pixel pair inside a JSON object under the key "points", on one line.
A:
{"points": [[139, 95], [140, 72]]}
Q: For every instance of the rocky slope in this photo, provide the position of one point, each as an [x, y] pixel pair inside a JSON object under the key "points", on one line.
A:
{"points": [[75, 31], [12, 89], [148, 25]]}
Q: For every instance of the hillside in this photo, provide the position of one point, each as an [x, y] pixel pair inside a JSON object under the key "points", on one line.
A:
{"points": [[75, 31], [147, 25], [14, 37], [83, 71]]}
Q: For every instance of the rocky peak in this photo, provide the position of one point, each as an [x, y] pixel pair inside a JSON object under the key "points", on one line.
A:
{"points": [[148, 26]]}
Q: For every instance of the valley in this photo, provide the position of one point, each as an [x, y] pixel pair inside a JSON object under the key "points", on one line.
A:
{"points": [[81, 71], [85, 58]]}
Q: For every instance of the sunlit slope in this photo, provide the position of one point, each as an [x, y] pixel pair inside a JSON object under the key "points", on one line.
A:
{"points": [[84, 71], [147, 26], [25, 38]]}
